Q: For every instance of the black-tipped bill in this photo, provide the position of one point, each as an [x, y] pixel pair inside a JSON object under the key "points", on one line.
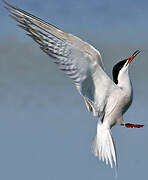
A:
{"points": [[132, 56]]}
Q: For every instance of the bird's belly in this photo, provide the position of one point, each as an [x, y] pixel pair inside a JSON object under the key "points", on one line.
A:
{"points": [[125, 103], [115, 117]]}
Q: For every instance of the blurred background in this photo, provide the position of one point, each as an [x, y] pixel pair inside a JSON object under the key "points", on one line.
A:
{"points": [[45, 129]]}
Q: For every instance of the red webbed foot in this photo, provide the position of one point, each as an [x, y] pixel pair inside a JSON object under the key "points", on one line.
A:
{"points": [[129, 125]]}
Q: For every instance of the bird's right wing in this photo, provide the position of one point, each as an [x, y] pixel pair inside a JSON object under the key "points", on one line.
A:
{"points": [[79, 60]]}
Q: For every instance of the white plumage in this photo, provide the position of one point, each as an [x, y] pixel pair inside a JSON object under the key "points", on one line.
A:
{"points": [[83, 64]]}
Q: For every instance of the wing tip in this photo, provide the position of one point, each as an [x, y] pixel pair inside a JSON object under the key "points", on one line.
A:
{"points": [[6, 3]]}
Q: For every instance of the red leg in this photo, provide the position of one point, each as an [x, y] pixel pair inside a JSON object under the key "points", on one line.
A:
{"points": [[129, 125]]}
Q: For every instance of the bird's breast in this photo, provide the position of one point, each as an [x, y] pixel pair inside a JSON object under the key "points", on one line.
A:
{"points": [[125, 103], [122, 101]]}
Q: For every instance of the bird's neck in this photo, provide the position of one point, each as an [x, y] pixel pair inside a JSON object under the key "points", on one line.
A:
{"points": [[124, 82]]}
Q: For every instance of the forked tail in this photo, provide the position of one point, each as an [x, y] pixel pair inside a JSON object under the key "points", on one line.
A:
{"points": [[103, 145]]}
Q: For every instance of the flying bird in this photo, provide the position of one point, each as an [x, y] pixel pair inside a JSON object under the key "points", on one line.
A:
{"points": [[107, 99]]}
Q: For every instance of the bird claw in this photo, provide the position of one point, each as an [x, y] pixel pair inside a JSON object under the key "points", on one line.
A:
{"points": [[129, 125]]}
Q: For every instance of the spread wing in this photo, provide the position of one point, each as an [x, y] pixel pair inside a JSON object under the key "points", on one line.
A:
{"points": [[79, 60]]}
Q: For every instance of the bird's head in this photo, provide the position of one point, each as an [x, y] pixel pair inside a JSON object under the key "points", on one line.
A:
{"points": [[122, 66]]}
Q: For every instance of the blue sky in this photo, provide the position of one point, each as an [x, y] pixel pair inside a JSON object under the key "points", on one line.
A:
{"points": [[45, 129]]}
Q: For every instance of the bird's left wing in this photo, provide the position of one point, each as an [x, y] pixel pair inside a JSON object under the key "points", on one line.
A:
{"points": [[71, 53], [79, 60]]}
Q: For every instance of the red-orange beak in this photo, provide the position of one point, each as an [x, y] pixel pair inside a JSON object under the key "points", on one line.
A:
{"points": [[132, 56]]}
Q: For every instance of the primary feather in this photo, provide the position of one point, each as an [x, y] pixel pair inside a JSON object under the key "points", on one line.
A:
{"points": [[83, 64]]}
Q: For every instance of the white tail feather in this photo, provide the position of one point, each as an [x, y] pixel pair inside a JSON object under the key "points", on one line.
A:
{"points": [[103, 145]]}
